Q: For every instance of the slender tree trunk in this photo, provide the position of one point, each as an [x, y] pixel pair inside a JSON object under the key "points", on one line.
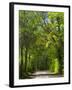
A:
{"points": [[29, 59], [21, 66], [26, 53], [60, 67], [60, 59]]}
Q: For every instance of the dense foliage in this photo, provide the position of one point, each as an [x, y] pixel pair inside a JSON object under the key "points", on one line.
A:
{"points": [[41, 42]]}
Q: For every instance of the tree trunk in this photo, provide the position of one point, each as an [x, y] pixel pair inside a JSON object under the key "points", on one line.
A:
{"points": [[26, 53], [21, 66], [60, 62]]}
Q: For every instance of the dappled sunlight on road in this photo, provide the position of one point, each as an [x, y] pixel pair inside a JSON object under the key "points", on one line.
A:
{"points": [[45, 74]]}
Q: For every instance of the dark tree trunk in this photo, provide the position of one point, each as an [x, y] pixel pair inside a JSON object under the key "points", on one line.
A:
{"points": [[60, 59], [29, 58], [26, 53], [21, 65], [60, 66]]}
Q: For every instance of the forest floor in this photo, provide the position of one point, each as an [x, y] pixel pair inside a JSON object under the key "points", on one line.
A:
{"points": [[45, 74]]}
